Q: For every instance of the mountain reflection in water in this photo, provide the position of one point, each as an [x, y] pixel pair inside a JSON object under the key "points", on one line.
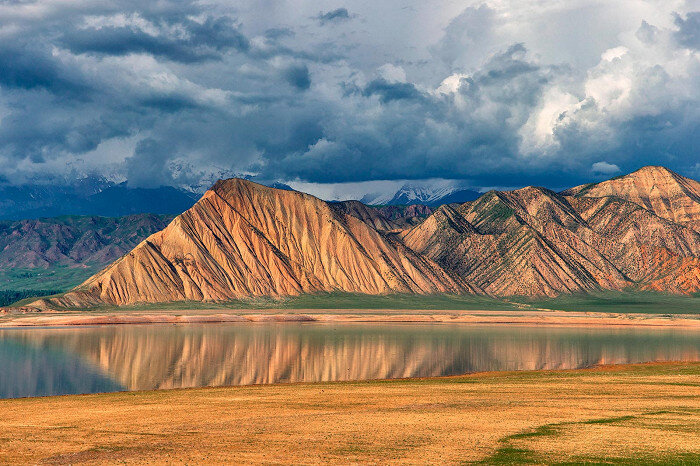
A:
{"points": [[90, 359]]}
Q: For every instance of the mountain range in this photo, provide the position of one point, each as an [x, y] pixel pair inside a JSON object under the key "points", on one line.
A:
{"points": [[425, 193], [55, 254], [73, 241], [90, 196], [242, 239]]}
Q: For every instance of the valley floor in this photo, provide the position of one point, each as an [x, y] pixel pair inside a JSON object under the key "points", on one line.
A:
{"points": [[622, 414], [529, 317]]}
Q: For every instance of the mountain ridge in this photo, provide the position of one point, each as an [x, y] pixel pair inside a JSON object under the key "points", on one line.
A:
{"points": [[243, 239], [656, 188], [92, 196]]}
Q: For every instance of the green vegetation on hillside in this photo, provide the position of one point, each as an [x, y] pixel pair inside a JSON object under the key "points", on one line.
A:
{"points": [[24, 285], [59, 278], [8, 297], [627, 302]]}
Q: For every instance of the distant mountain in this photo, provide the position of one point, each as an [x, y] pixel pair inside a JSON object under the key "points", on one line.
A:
{"points": [[425, 193], [461, 196], [385, 218], [56, 253], [90, 196], [73, 240], [120, 200], [278, 185], [245, 240]]}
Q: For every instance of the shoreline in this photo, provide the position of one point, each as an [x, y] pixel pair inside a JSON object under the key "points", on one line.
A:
{"points": [[526, 318]]}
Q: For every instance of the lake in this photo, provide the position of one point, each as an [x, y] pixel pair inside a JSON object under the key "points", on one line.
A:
{"points": [[67, 360]]}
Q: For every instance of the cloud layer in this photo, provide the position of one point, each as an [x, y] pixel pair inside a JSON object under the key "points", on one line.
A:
{"points": [[499, 93]]}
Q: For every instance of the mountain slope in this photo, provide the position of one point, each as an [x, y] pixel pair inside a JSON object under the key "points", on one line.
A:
{"points": [[243, 239], [515, 243], [658, 189], [533, 241], [385, 218], [246, 240]]}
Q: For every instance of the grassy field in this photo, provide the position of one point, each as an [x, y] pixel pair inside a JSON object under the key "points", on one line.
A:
{"points": [[53, 278], [622, 302], [623, 415], [636, 302], [26, 284], [332, 301]]}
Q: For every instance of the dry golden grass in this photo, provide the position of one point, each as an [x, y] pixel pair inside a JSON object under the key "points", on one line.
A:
{"points": [[647, 412]]}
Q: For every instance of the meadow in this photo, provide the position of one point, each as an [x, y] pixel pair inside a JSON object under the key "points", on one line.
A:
{"points": [[615, 414]]}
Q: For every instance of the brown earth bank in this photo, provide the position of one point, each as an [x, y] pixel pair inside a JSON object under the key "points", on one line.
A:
{"points": [[530, 317], [244, 240], [646, 413]]}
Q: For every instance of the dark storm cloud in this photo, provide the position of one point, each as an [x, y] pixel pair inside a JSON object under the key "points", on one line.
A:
{"points": [[39, 136], [195, 41], [298, 76], [467, 32], [334, 16], [25, 67], [148, 165], [279, 33], [647, 33], [689, 30], [413, 133], [388, 91], [148, 86]]}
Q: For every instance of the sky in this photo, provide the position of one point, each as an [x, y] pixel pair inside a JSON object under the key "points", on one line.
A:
{"points": [[343, 96]]}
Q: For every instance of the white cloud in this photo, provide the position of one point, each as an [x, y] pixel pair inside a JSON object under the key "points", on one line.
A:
{"points": [[613, 53], [392, 73], [538, 133], [645, 79], [605, 168]]}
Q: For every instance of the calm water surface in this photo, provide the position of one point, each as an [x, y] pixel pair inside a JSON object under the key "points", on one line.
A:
{"points": [[52, 361]]}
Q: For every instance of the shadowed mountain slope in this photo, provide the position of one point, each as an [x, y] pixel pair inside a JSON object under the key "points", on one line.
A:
{"points": [[385, 218]]}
